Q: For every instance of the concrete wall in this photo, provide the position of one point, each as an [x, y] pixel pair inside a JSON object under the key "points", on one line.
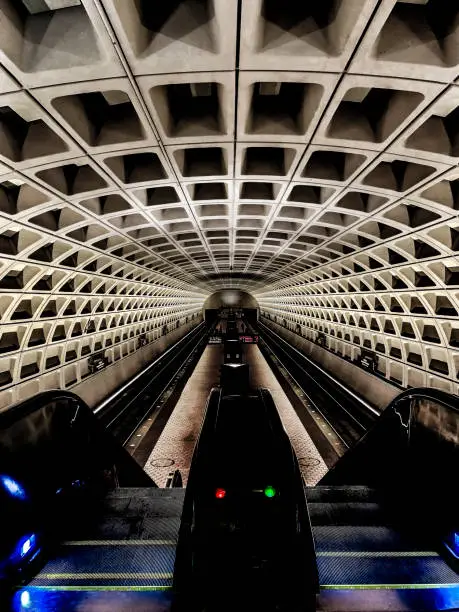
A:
{"points": [[96, 387], [372, 388]]}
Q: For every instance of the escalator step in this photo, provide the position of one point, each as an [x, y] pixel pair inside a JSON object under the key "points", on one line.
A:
{"points": [[110, 563], [136, 527], [346, 514], [154, 502], [362, 538], [357, 569], [157, 528], [389, 600], [122, 561], [323, 494], [133, 513]]}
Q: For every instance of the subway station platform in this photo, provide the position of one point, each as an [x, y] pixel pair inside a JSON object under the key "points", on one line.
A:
{"points": [[311, 463], [175, 446]]}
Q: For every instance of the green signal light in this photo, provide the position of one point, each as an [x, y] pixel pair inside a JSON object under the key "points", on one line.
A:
{"points": [[269, 491]]}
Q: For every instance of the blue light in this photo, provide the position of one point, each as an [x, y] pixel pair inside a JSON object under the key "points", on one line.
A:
{"points": [[456, 544], [13, 487], [24, 548], [452, 542], [25, 599], [27, 546], [29, 599], [446, 598]]}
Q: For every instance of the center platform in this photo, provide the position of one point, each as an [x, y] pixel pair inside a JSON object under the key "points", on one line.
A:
{"points": [[175, 446]]}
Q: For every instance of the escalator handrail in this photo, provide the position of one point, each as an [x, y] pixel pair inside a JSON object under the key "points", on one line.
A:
{"points": [[78, 411], [201, 449], [26, 407], [208, 424], [281, 436], [353, 464], [436, 395]]}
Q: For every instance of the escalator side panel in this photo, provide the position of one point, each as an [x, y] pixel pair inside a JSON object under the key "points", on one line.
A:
{"points": [[54, 439], [415, 438], [56, 465], [411, 457]]}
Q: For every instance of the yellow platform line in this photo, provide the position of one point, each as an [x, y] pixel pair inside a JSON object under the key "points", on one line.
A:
{"points": [[104, 576], [377, 553], [370, 587], [120, 543], [92, 587]]}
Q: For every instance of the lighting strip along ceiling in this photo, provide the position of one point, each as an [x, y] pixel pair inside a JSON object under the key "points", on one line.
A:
{"points": [[154, 152]]}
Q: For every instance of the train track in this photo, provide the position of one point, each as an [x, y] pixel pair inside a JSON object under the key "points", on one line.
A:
{"points": [[345, 412], [123, 411]]}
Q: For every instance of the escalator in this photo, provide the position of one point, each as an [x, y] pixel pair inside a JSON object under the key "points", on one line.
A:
{"points": [[81, 521], [84, 528], [245, 541], [385, 518], [368, 560], [129, 547]]}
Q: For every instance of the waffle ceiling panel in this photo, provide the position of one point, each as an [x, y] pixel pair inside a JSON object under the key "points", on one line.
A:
{"points": [[152, 152]]}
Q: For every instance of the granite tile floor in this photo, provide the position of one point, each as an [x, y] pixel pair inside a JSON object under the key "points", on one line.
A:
{"points": [[174, 449]]}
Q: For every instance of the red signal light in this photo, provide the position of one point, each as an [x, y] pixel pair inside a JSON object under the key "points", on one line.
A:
{"points": [[220, 493]]}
